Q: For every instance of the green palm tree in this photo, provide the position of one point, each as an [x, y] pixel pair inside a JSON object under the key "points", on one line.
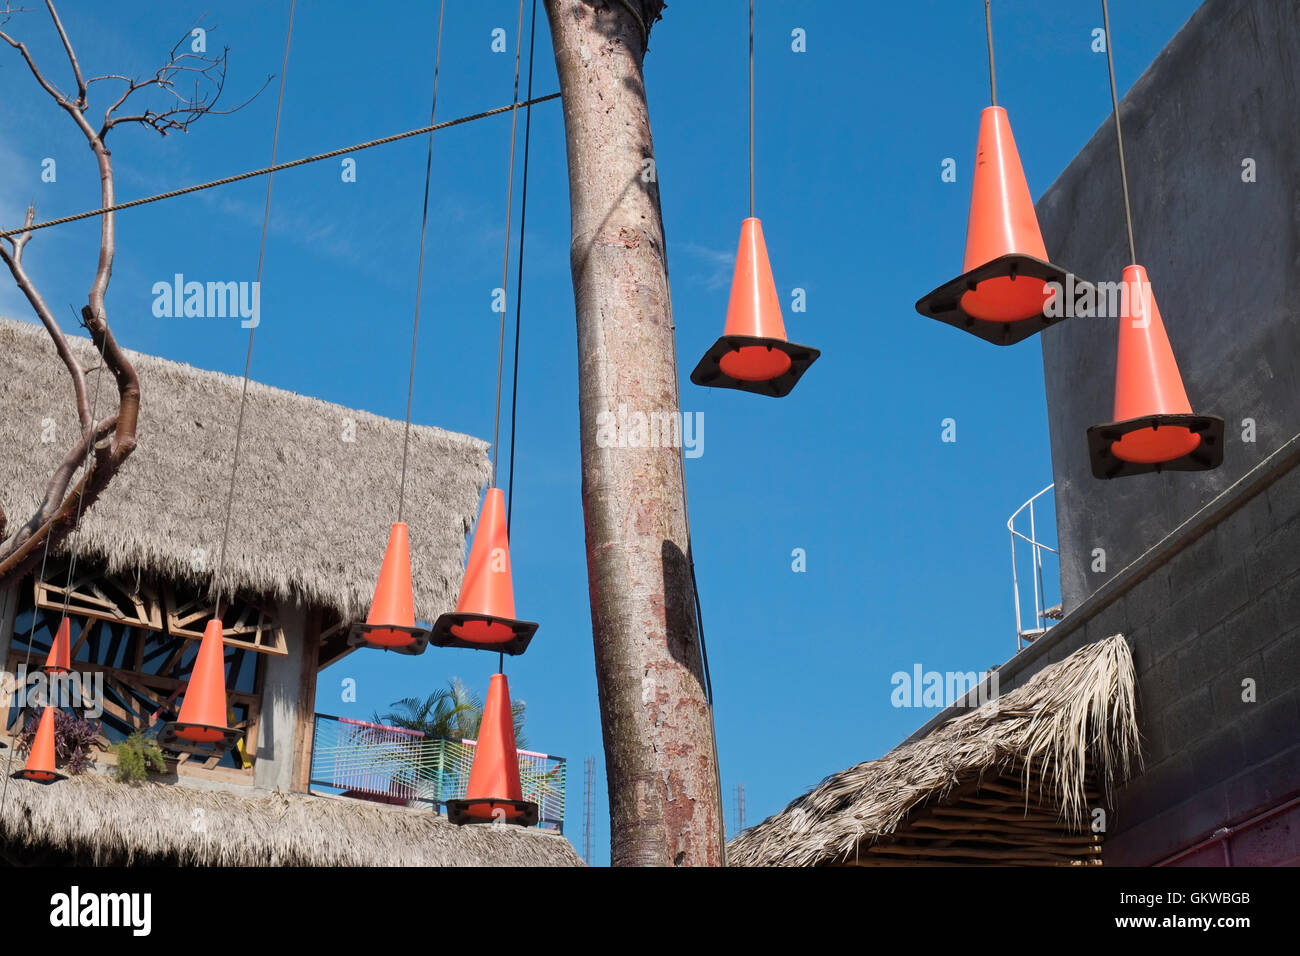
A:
{"points": [[453, 711]]}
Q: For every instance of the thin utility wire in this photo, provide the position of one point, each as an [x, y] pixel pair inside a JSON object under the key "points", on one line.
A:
{"points": [[505, 266], [988, 30], [419, 269], [1119, 136], [72, 560], [315, 158], [248, 358], [686, 511], [751, 109], [519, 278]]}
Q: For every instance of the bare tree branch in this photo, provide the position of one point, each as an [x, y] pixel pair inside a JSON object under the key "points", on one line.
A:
{"points": [[102, 446], [80, 101], [14, 260]]}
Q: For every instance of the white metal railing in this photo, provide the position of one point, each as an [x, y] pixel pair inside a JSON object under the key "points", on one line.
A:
{"points": [[1044, 616], [407, 767]]}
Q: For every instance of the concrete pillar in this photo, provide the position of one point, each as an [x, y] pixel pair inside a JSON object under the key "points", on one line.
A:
{"points": [[278, 724]]}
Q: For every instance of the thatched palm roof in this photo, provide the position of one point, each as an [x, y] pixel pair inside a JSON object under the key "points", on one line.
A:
{"points": [[312, 511], [1072, 724], [92, 820]]}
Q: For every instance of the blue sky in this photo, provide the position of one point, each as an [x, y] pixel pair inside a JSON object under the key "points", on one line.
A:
{"points": [[905, 535]]}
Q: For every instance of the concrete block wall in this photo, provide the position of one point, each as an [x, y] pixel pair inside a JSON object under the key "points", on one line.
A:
{"points": [[1223, 611], [1223, 256]]}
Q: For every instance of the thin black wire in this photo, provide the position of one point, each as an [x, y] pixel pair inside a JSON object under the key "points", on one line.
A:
{"points": [[751, 109], [419, 269], [266, 171], [505, 267], [72, 562], [519, 279], [686, 512], [248, 358], [1119, 136], [988, 30]]}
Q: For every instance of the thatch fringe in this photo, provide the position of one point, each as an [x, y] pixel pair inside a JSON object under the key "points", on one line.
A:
{"points": [[100, 822], [312, 508], [1073, 717]]}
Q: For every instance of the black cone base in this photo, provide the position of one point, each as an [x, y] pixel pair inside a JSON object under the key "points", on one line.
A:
{"points": [[443, 637], [1205, 456], [358, 637], [458, 812], [41, 777], [944, 303], [169, 739], [709, 372]]}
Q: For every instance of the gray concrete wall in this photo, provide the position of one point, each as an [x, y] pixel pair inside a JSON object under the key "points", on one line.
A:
{"points": [[1221, 616], [281, 681], [1224, 261]]}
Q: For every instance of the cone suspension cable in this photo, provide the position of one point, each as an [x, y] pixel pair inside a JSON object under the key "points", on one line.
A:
{"points": [[390, 624], [484, 618], [201, 728], [1154, 428], [753, 354], [1002, 295]]}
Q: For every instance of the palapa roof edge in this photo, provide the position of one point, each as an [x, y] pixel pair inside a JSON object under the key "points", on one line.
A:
{"points": [[1073, 716], [99, 821]]}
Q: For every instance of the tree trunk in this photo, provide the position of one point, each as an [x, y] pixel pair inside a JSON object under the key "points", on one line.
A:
{"points": [[659, 758]]}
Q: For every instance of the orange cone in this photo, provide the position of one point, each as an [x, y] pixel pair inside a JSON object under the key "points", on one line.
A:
{"points": [[753, 354], [1002, 292], [201, 725], [40, 766], [390, 626], [484, 618], [1154, 428], [59, 660], [493, 792]]}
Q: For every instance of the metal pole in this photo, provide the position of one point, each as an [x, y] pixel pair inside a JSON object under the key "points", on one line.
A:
{"points": [[1015, 582], [1038, 568]]}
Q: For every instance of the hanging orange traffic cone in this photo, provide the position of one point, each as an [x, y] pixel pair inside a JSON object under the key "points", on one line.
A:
{"points": [[493, 792], [1002, 294], [1154, 428], [200, 728], [484, 618], [753, 354], [390, 626], [40, 766], [59, 660]]}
